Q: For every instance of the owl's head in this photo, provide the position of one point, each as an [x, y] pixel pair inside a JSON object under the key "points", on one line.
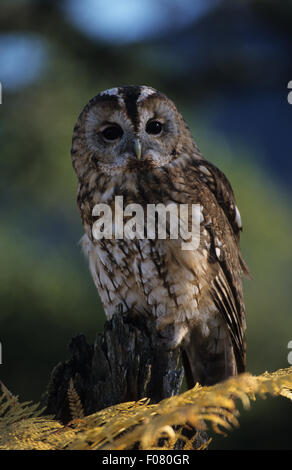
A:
{"points": [[126, 128]]}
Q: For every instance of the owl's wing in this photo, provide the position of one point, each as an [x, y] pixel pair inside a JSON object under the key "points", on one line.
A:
{"points": [[226, 292], [219, 185], [226, 287], [222, 224]]}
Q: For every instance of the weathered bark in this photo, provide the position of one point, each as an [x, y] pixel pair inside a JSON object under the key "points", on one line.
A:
{"points": [[127, 362]]}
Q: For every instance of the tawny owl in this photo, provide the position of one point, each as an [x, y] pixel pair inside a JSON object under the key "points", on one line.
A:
{"points": [[132, 142]]}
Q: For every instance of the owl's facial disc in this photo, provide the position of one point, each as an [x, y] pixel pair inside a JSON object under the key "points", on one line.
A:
{"points": [[131, 127]]}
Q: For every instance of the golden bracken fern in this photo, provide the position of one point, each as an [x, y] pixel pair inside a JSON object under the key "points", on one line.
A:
{"points": [[138, 424]]}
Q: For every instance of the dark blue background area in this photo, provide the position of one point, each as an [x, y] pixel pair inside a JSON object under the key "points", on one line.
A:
{"points": [[261, 119]]}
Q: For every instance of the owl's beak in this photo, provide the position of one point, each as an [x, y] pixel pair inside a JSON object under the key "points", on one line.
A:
{"points": [[137, 148]]}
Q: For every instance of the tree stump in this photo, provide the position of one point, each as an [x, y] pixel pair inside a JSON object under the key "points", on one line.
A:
{"points": [[126, 363], [129, 361]]}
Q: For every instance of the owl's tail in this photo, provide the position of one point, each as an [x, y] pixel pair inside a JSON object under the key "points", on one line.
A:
{"points": [[208, 360]]}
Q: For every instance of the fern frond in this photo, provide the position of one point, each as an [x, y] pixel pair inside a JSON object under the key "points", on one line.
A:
{"points": [[75, 405], [140, 424], [147, 424]]}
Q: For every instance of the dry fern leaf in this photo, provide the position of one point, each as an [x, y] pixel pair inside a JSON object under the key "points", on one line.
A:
{"points": [[140, 424], [146, 425], [75, 405], [21, 427]]}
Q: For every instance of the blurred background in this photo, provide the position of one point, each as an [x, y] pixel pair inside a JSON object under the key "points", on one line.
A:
{"points": [[227, 65]]}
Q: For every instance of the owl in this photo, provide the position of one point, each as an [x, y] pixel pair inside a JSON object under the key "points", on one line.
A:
{"points": [[132, 142]]}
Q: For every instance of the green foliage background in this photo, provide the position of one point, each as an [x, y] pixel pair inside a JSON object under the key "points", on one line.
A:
{"points": [[46, 292]]}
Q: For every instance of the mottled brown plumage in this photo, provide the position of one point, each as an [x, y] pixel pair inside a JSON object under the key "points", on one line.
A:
{"points": [[194, 296]]}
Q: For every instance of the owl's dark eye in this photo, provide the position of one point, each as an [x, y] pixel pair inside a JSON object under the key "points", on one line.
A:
{"points": [[153, 127], [113, 132]]}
